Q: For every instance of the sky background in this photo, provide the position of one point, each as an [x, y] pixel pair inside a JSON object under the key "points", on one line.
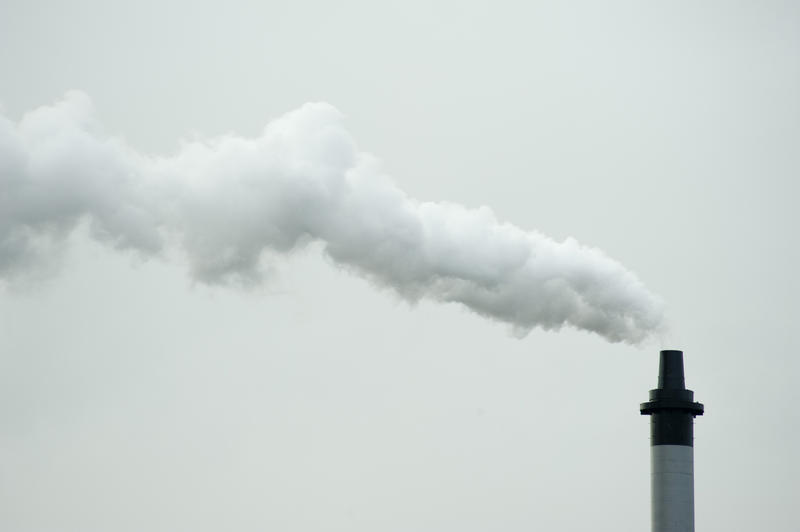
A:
{"points": [[666, 134]]}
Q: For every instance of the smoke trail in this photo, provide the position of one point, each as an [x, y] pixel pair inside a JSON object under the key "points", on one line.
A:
{"points": [[228, 200]]}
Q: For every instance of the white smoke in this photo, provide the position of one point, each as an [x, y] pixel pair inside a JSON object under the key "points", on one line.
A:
{"points": [[228, 200]]}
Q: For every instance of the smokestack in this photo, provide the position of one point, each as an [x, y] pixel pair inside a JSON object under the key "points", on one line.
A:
{"points": [[672, 410]]}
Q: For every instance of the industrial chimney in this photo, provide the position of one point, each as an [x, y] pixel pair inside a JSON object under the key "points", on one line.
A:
{"points": [[672, 410]]}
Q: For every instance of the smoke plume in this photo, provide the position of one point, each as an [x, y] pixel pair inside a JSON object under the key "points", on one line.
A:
{"points": [[227, 201]]}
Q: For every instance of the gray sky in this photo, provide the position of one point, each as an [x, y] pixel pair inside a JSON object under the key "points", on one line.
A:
{"points": [[134, 399]]}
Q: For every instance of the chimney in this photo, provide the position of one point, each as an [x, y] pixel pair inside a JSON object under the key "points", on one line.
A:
{"points": [[672, 410]]}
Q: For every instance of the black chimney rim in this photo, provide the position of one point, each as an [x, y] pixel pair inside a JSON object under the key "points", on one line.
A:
{"points": [[671, 393]]}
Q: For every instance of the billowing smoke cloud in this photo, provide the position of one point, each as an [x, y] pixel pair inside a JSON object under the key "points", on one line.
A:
{"points": [[227, 201]]}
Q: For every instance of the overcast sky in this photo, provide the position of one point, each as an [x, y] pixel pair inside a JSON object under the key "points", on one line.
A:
{"points": [[134, 398]]}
